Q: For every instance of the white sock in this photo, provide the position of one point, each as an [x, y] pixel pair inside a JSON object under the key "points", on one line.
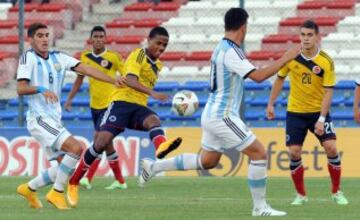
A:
{"points": [[45, 178], [66, 168], [180, 162], [257, 182]]}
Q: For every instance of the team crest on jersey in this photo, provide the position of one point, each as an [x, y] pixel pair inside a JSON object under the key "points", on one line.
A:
{"points": [[316, 69], [57, 66], [104, 63], [112, 118]]}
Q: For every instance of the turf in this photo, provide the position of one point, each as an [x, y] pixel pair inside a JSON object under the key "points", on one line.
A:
{"points": [[187, 198]]}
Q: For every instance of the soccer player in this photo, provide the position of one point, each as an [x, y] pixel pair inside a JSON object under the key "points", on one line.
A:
{"points": [[357, 102], [221, 125], [40, 76], [129, 107], [312, 79], [110, 63]]}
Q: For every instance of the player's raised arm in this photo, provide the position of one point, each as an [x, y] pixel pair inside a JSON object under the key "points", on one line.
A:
{"points": [[357, 102], [262, 74], [92, 72]]}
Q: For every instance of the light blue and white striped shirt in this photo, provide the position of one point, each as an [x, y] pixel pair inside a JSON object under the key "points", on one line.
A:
{"points": [[229, 68], [48, 73]]}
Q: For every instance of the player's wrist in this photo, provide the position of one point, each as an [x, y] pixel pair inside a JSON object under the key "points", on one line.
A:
{"points": [[321, 119], [40, 89]]}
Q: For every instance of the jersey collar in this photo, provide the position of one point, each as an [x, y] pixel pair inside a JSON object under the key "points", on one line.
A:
{"points": [[310, 58], [99, 55]]}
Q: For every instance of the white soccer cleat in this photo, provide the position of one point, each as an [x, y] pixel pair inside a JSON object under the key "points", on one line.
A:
{"points": [[146, 172], [267, 211]]}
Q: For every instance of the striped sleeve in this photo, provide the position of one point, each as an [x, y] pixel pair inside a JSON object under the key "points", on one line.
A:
{"points": [[236, 61], [134, 62], [26, 66]]}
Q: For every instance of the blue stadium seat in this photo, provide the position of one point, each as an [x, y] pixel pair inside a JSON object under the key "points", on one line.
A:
{"points": [[345, 114], [345, 84], [195, 116], [152, 101], [166, 86], [251, 85], [254, 115], [3, 103], [163, 114], [195, 86], [349, 101], [85, 116], [202, 99], [8, 116], [81, 101], [286, 85], [69, 115], [262, 100], [338, 100]]}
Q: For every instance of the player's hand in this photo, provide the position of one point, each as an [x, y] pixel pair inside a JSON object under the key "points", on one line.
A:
{"points": [[159, 96], [292, 53], [319, 128], [357, 116], [50, 97], [67, 105], [270, 113], [120, 81]]}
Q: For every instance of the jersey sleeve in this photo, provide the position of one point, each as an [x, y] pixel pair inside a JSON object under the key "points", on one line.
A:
{"points": [[283, 72], [238, 63], [329, 75], [357, 82], [68, 61], [26, 66], [134, 63]]}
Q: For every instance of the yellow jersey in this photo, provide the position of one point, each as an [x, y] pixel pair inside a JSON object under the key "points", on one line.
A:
{"points": [[147, 70], [308, 77], [109, 63]]}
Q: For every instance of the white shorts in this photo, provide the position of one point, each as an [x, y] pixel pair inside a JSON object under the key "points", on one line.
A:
{"points": [[50, 133], [227, 133]]}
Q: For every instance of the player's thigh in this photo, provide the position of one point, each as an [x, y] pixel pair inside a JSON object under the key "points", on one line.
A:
{"points": [[96, 115], [144, 119], [226, 133], [296, 128], [255, 151], [50, 133], [116, 118], [329, 131]]}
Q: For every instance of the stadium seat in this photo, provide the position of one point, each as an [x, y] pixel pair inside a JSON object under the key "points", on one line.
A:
{"points": [[342, 115], [166, 86], [251, 85], [195, 86], [7, 116], [345, 84]]}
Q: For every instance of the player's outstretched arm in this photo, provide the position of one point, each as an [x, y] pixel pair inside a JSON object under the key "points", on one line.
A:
{"points": [[275, 91], [75, 88], [262, 74], [92, 72], [23, 88], [133, 82], [356, 104]]}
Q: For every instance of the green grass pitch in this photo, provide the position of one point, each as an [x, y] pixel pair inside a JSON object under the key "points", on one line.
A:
{"points": [[187, 198]]}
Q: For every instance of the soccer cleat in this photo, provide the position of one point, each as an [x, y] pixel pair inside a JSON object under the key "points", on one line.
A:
{"points": [[57, 199], [167, 146], [85, 183], [29, 195], [146, 171], [72, 195], [300, 200], [267, 211], [117, 185], [339, 198]]}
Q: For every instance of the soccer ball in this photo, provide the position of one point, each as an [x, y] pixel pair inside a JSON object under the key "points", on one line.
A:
{"points": [[185, 103]]}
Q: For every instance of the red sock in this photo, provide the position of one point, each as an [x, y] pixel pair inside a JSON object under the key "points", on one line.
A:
{"points": [[158, 140], [92, 170], [297, 176], [79, 172], [115, 166], [335, 174]]}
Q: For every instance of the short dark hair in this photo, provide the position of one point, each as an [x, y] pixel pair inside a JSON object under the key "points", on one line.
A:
{"points": [[158, 31], [235, 18], [311, 25], [34, 27], [97, 28]]}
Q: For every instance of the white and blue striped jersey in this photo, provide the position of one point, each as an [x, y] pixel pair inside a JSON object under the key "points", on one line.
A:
{"points": [[48, 73], [229, 68]]}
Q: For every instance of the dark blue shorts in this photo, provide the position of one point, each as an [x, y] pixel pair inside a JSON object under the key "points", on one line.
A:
{"points": [[121, 115], [297, 125], [97, 115]]}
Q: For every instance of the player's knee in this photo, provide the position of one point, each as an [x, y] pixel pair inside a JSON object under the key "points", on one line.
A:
{"points": [[101, 145], [295, 155], [76, 150], [209, 164]]}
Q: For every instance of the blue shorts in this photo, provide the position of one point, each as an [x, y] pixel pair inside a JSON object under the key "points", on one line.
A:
{"points": [[297, 125], [97, 115], [121, 115]]}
